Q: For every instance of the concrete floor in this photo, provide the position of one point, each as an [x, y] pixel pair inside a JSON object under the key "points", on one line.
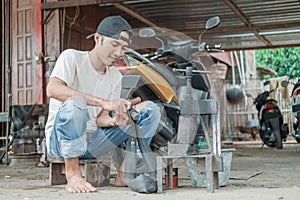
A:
{"points": [[256, 173]]}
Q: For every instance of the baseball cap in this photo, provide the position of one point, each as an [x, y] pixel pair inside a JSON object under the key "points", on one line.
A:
{"points": [[112, 26]]}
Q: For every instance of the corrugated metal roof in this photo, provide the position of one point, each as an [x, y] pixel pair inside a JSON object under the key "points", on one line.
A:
{"points": [[244, 24]]}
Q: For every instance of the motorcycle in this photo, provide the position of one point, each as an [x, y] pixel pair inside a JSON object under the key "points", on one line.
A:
{"points": [[173, 71], [295, 105], [176, 77], [272, 130]]}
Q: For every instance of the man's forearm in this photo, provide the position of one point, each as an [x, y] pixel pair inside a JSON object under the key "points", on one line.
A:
{"points": [[57, 89]]}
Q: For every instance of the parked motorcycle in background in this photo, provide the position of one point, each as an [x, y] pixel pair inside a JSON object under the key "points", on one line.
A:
{"points": [[272, 130], [295, 105]]}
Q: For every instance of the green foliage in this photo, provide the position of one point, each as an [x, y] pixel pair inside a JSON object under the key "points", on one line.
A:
{"points": [[284, 61]]}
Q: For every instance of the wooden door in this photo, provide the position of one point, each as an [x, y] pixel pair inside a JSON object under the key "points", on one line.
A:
{"points": [[27, 68]]}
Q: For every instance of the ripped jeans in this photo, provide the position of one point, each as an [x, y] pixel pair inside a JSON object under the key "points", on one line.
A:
{"points": [[70, 139]]}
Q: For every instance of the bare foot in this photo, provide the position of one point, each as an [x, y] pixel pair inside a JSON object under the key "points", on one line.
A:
{"points": [[76, 184], [120, 180]]}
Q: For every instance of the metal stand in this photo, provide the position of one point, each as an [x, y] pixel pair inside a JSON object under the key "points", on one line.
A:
{"points": [[191, 111], [212, 166]]}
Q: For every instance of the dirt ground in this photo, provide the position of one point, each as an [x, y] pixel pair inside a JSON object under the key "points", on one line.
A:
{"points": [[256, 173]]}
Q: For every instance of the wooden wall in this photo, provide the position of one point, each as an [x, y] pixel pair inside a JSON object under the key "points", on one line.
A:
{"points": [[67, 28], [2, 78]]}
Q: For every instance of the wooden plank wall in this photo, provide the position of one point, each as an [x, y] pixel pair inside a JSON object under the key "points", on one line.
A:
{"points": [[239, 114], [67, 28]]}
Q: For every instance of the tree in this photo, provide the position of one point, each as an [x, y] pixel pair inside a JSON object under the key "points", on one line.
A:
{"points": [[284, 61]]}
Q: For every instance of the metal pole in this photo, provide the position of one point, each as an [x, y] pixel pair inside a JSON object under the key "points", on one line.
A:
{"points": [[9, 100]]}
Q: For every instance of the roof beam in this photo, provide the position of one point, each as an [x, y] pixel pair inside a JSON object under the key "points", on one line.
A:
{"points": [[134, 14], [263, 47], [247, 29], [74, 3], [244, 19]]}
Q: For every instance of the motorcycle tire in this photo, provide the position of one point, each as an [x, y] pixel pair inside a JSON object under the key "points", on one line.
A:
{"points": [[278, 139], [166, 133], [266, 140], [284, 131], [297, 139], [264, 134], [165, 72], [297, 135]]}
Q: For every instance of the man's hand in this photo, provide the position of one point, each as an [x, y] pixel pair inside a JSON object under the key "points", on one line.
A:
{"points": [[135, 101], [105, 120], [117, 105], [114, 112]]}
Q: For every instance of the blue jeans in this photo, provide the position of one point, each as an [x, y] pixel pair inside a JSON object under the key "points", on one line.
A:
{"points": [[70, 139]]}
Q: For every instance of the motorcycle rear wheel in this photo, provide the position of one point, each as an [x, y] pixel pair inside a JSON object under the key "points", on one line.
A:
{"points": [[278, 139]]}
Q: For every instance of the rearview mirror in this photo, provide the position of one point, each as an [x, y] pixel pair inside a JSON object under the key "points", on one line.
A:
{"points": [[284, 83], [147, 33], [212, 22], [267, 83]]}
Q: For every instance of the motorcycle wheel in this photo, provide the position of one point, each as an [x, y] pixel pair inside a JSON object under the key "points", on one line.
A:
{"points": [[297, 139], [166, 130], [297, 135], [278, 139], [266, 134]]}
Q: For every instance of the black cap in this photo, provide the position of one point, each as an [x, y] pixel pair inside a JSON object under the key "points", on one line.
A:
{"points": [[112, 26]]}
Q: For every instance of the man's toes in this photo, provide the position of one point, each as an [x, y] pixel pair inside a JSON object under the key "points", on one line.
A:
{"points": [[89, 188], [93, 189], [70, 189]]}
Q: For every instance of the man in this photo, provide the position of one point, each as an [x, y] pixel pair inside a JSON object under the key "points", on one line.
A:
{"points": [[83, 88]]}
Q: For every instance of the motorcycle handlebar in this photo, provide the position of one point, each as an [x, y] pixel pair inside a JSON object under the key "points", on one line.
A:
{"points": [[214, 47], [162, 52], [262, 96], [159, 53], [149, 55]]}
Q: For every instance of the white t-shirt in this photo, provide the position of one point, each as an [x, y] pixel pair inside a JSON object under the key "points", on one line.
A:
{"points": [[75, 69]]}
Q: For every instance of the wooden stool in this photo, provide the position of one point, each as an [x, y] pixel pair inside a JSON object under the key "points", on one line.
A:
{"points": [[94, 171]]}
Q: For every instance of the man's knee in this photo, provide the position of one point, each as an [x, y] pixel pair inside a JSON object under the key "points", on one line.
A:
{"points": [[156, 113], [72, 118], [74, 109], [149, 114]]}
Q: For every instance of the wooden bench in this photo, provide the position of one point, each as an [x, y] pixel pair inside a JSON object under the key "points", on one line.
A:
{"points": [[95, 171]]}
